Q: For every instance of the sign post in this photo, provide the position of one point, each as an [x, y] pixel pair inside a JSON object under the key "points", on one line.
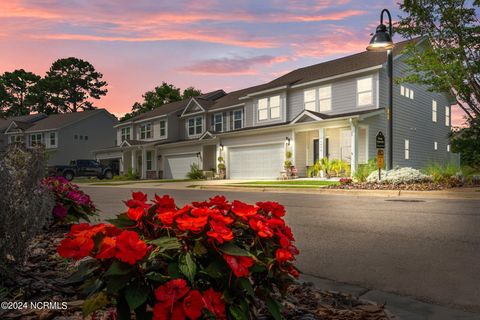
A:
{"points": [[380, 145]]}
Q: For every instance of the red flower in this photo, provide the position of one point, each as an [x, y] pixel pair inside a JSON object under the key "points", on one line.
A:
{"points": [[200, 212], [193, 224], [165, 203], [219, 202], [130, 248], [214, 303], [107, 248], [283, 255], [78, 229], [220, 217], [139, 200], [171, 292], [274, 208], [243, 210], [193, 305], [220, 232], [163, 312], [59, 211], [201, 204], [239, 265], [263, 230], [293, 271], [167, 217], [76, 248], [136, 214]]}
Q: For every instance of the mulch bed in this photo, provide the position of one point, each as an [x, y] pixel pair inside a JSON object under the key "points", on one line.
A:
{"points": [[384, 186], [43, 275]]}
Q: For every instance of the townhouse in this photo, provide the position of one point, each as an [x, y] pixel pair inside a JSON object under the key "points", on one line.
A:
{"points": [[332, 109], [66, 136]]}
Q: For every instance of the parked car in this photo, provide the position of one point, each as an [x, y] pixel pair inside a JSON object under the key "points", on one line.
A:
{"points": [[82, 168]]}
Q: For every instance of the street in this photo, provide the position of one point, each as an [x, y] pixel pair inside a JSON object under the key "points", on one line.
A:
{"points": [[425, 248]]}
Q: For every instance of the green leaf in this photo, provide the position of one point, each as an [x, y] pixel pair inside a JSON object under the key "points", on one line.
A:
{"points": [[274, 308], [91, 286], [95, 302], [199, 249], [155, 276], [136, 294], [234, 250], [244, 284], [118, 268], [215, 269], [122, 221], [239, 311], [85, 270], [166, 243], [187, 266], [116, 283], [173, 270]]}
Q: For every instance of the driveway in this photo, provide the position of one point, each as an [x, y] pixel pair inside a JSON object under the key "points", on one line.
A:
{"points": [[429, 248]]}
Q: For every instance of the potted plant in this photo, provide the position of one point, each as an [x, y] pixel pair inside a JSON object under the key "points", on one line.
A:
{"points": [[221, 168]]}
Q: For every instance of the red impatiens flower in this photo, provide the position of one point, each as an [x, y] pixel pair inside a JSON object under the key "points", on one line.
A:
{"points": [[130, 248], [163, 312], [165, 203], [76, 248], [220, 232], [167, 217], [139, 199], [200, 212], [239, 265], [193, 224], [107, 248], [193, 305], [293, 271], [274, 208], [172, 291], [283, 255], [200, 204], [261, 227], [220, 203], [136, 214], [59, 211], [218, 216], [214, 303], [243, 210]]}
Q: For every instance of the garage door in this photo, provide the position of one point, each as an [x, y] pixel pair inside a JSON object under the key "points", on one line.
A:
{"points": [[177, 166], [256, 162]]}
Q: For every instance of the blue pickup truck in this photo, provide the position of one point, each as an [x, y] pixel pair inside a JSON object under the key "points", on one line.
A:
{"points": [[82, 168]]}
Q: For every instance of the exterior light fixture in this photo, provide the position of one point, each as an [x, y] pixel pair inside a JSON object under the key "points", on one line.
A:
{"points": [[382, 41], [287, 140], [221, 147]]}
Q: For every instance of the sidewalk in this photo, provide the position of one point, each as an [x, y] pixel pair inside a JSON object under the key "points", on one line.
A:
{"points": [[401, 307]]}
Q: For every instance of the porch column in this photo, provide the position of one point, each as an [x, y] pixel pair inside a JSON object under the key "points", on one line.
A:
{"points": [[134, 160], [122, 161], [354, 147], [144, 163], [322, 152]]}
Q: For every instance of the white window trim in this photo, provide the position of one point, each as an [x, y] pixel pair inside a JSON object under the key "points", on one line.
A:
{"points": [[195, 135], [269, 109], [407, 149], [242, 112], [315, 93], [151, 160], [434, 111], [329, 86], [48, 140], [30, 143], [160, 129], [359, 92], [448, 147], [145, 125], [447, 116], [127, 137], [215, 123], [435, 145]]}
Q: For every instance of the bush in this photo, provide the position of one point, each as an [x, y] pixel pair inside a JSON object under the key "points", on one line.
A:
{"points": [[364, 170], [205, 260], [345, 181], [195, 172], [71, 203], [25, 204], [442, 173], [399, 176]]}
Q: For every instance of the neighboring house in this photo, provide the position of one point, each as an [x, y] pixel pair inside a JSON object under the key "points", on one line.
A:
{"points": [[66, 136], [332, 109], [22, 121]]}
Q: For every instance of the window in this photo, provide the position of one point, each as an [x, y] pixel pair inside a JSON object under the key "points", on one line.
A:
{"points": [[407, 149], [269, 108], [447, 116], [81, 137], [75, 137], [163, 129], [434, 111], [16, 139], [309, 99], [52, 139], [448, 148], [149, 160], [126, 134], [35, 139], [86, 137], [237, 119], [365, 91], [325, 98], [218, 122], [146, 131], [406, 92], [435, 145], [195, 126]]}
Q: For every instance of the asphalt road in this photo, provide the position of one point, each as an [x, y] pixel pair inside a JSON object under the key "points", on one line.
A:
{"points": [[429, 249]]}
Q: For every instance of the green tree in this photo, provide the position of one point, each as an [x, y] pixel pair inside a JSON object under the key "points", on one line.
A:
{"points": [[159, 96], [451, 63], [16, 89], [466, 141], [72, 83]]}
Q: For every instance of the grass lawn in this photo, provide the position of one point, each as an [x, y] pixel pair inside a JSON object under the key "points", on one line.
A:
{"points": [[289, 183], [97, 182]]}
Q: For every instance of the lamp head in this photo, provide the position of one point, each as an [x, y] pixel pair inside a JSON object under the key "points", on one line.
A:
{"points": [[381, 40]]}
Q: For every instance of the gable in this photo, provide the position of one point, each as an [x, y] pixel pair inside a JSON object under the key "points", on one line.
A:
{"points": [[193, 107]]}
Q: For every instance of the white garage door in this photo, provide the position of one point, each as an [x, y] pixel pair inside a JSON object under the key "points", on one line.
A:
{"points": [[256, 162], [177, 166]]}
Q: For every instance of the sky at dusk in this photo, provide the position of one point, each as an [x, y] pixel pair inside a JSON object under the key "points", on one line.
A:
{"points": [[208, 44]]}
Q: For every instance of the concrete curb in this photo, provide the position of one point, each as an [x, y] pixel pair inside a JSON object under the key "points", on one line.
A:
{"points": [[399, 307]]}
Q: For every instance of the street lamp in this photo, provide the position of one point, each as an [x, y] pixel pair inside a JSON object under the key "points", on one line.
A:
{"points": [[382, 41]]}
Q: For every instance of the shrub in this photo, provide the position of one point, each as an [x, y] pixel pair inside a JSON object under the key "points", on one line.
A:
{"points": [[399, 176], [204, 260], [364, 170], [345, 181], [287, 164], [195, 173], [442, 173], [25, 204], [71, 203]]}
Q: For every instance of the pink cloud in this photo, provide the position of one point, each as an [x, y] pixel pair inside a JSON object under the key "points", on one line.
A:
{"points": [[233, 66]]}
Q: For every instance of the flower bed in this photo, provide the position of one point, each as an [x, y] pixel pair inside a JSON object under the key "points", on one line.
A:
{"points": [[71, 203]]}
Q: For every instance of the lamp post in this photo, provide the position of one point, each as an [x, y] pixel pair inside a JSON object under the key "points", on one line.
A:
{"points": [[382, 41]]}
